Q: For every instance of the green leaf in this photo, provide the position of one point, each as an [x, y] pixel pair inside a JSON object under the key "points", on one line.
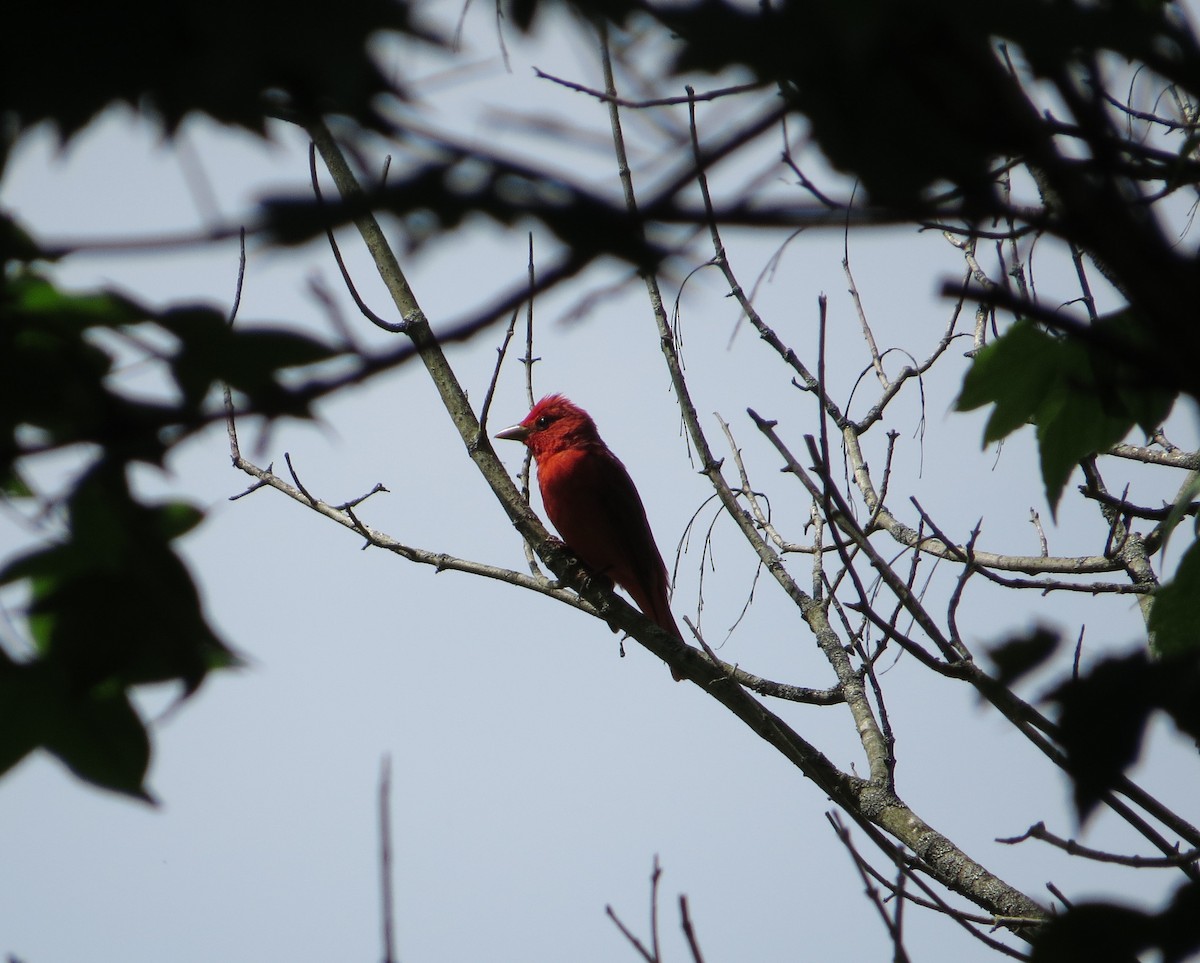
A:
{"points": [[101, 739], [47, 563], [118, 550], [14, 485], [41, 623], [36, 297], [259, 350], [1083, 393], [1175, 614], [453, 190], [1015, 373], [1179, 509], [95, 732], [1071, 426], [177, 518]]}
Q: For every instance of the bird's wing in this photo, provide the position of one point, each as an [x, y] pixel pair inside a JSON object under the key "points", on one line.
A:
{"points": [[644, 575], [594, 504]]}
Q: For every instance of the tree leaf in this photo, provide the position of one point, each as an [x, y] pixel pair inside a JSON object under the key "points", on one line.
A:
{"points": [[1104, 714], [1014, 373], [1021, 654], [101, 739], [25, 702], [1108, 933], [1096, 932], [1083, 394], [1175, 614], [1103, 717], [13, 484], [96, 733], [244, 357], [173, 59], [35, 297], [176, 519]]}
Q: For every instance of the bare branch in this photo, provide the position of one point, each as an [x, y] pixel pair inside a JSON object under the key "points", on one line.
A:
{"points": [[1187, 460], [865, 873], [375, 319], [388, 909], [688, 931], [440, 561], [644, 953], [607, 98], [1039, 831], [905, 865]]}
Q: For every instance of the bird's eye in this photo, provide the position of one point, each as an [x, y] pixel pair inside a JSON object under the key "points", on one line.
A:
{"points": [[542, 422]]}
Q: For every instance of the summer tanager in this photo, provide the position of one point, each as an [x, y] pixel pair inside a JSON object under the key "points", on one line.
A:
{"points": [[593, 503]]}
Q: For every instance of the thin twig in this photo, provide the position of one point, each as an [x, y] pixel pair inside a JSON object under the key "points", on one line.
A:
{"points": [[688, 931], [655, 876], [856, 298], [296, 478], [607, 98], [865, 874], [778, 690], [385, 860], [633, 940], [906, 864], [500, 353], [375, 319], [230, 424], [1039, 831]]}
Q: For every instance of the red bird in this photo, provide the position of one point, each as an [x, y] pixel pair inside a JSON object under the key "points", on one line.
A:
{"points": [[593, 503]]}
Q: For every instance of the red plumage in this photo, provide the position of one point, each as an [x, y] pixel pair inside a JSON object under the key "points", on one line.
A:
{"points": [[592, 501]]}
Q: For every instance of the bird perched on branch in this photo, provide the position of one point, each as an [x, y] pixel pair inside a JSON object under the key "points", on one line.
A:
{"points": [[592, 501]]}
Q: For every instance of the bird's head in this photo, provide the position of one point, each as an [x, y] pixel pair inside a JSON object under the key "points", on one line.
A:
{"points": [[553, 424]]}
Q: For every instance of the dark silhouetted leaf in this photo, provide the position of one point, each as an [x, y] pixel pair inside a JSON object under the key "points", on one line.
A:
{"points": [[81, 610], [26, 700], [1107, 933], [220, 57], [245, 357], [1095, 932], [1104, 714], [449, 191], [1103, 717], [1181, 691], [1178, 932], [15, 243], [101, 739], [1022, 654]]}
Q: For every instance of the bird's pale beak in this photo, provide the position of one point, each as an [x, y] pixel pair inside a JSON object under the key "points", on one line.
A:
{"points": [[515, 433]]}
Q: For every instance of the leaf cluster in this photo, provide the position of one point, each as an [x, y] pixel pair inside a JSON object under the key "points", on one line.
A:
{"points": [[1110, 933], [447, 192], [111, 606], [1083, 393], [236, 62]]}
